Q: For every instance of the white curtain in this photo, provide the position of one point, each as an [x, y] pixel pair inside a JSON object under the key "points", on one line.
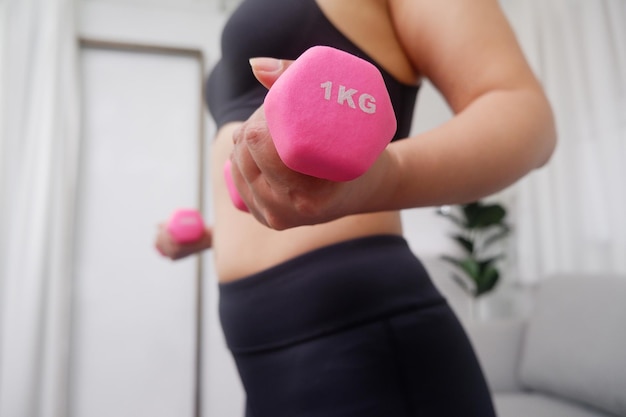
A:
{"points": [[571, 215], [39, 132]]}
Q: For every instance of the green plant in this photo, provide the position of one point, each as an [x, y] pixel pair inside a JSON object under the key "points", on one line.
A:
{"points": [[481, 229]]}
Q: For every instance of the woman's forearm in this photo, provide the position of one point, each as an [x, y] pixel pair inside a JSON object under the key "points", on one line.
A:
{"points": [[496, 140]]}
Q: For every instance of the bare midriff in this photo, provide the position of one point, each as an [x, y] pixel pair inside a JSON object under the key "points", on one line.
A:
{"points": [[242, 246]]}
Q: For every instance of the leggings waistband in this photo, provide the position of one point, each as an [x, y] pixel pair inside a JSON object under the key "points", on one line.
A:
{"points": [[322, 291]]}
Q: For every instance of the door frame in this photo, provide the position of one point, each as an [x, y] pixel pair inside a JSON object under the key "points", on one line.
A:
{"points": [[198, 55]]}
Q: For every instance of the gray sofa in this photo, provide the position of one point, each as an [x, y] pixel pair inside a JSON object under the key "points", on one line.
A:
{"points": [[567, 358]]}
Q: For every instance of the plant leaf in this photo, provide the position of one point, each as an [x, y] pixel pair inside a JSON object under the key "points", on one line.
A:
{"points": [[486, 263], [446, 211], [502, 233], [481, 216], [471, 211], [465, 243], [465, 284], [487, 280], [467, 265]]}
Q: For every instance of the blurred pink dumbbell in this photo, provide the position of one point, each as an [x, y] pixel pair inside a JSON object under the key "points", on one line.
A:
{"points": [[186, 226]]}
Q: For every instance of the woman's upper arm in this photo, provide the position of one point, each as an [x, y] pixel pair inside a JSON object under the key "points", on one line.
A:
{"points": [[466, 48]]}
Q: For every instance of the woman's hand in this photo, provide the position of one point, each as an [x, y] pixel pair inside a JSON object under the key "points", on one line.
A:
{"points": [[168, 247], [277, 196]]}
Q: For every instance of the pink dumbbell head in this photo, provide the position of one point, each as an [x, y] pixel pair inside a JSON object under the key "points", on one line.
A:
{"points": [[232, 190], [330, 114], [186, 226]]}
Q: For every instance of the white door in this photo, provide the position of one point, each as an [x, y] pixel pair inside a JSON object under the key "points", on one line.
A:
{"points": [[135, 314]]}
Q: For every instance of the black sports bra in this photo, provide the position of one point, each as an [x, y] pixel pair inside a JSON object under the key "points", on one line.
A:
{"points": [[282, 29]]}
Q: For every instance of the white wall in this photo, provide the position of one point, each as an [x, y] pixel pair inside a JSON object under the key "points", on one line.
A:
{"points": [[179, 24], [189, 24], [133, 313]]}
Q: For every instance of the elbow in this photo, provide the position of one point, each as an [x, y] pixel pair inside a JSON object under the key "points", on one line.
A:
{"points": [[549, 143], [546, 134]]}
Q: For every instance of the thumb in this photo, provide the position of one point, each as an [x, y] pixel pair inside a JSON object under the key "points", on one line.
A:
{"points": [[267, 70]]}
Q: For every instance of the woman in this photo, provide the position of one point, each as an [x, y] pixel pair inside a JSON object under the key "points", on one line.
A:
{"points": [[325, 308]]}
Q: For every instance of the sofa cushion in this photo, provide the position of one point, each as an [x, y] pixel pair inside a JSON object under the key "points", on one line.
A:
{"points": [[575, 345], [537, 405], [498, 345]]}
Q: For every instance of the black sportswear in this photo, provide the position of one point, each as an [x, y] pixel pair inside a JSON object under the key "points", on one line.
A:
{"points": [[282, 29], [355, 329]]}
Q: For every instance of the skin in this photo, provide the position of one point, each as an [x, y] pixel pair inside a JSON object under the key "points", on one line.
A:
{"points": [[502, 129]]}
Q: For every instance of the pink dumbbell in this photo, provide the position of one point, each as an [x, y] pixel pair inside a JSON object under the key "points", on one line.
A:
{"points": [[232, 190], [186, 226], [330, 116]]}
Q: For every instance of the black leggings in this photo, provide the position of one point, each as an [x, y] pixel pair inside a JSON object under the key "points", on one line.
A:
{"points": [[355, 329]]}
